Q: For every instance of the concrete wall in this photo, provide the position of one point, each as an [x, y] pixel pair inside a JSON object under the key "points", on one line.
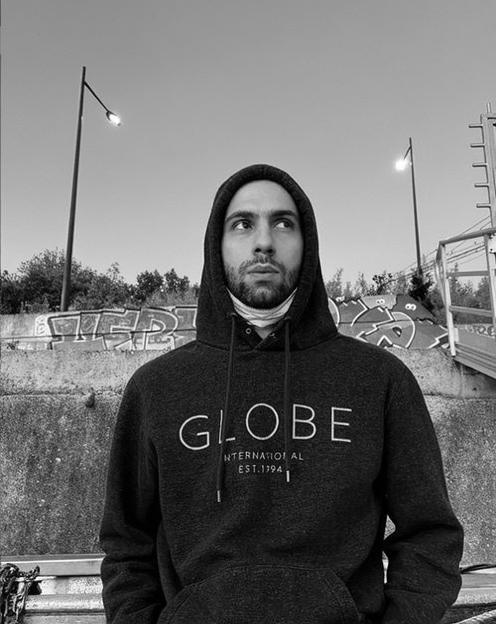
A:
{"points": [[57, 412]]}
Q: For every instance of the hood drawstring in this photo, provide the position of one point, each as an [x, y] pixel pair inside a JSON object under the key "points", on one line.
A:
{"points": [[287, 403], [220, 461]]}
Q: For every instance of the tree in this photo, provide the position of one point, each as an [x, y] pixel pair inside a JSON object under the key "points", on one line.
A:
{"points": [[382, 283], [11, 293], [37, 287], [464, 295], [483, 295], [147, 283], [401, 285], [334, 287], [347, 292], [361, 286], [172, 281], [41, 277], [195, 289], [420, 289], [105, 290], [176, 285]]}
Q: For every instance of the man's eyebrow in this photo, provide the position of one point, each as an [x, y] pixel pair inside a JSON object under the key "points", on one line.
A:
{"points": [[247, 214]]}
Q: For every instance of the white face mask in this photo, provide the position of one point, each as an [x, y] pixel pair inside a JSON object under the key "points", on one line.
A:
{"points": [[260, 317]]}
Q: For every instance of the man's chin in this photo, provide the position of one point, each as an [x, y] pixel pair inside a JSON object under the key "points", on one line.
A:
{"points": [[263, 297]]}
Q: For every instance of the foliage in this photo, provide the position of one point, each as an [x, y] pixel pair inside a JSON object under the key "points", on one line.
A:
{"points": [[382, 284], [148, 283], [334, 286], [39, 282], [11, 293], [361, 287], [105, 290], [483, 295], [37, 287], [401, 286], [420, 289], [176, 284], [463, 293]]}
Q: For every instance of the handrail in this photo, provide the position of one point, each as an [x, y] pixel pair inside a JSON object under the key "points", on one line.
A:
{"points": [[470, 235], [478, 354]]}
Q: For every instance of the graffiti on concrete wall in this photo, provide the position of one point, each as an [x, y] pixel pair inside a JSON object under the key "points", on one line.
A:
{"points": [[123, 329], [482, 329], [396, 321], [389, 321]]}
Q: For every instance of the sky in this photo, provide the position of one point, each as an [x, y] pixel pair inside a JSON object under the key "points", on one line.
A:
{"points": [[329, 90]]}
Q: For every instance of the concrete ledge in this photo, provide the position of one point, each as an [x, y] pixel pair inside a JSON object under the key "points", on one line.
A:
{"points": [[52, 372], [57, 415], [55, 372], [438, 374]]}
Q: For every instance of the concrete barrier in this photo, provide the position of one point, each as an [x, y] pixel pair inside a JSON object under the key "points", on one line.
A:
{"points": [[384, 320], [57, 412]]}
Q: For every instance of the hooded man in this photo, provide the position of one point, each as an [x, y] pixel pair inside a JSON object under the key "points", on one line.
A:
{"points": [[252, 469]]}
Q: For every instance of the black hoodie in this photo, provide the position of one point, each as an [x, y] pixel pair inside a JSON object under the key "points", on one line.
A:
{"points": [[250, 479]]}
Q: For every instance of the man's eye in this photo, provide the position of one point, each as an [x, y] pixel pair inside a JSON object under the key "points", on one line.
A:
{"points": [[284, 223], [243, 224]]}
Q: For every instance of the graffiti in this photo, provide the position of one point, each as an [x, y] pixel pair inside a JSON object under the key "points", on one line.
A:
{"points": [[483, 329], [389, 321], [396, 321], [124, 329], [392, 321]]}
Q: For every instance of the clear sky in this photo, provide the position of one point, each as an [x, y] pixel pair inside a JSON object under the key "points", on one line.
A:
{"points": [[329, 90]]}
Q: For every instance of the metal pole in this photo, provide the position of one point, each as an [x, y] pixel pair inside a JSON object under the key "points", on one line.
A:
{"points": [[417, 241], [66, 283]]}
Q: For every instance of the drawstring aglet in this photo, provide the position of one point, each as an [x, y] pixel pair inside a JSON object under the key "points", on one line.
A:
{"points": [[287, 476], [219, 500]]}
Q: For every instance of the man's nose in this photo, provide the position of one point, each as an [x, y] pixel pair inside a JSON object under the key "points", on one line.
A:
{"points": [[263, 241]]}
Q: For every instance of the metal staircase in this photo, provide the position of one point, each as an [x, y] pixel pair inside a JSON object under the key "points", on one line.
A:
{"points": [[474, 349]]}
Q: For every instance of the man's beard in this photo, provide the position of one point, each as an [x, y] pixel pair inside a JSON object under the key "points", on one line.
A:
{"points": [[263, 296]]}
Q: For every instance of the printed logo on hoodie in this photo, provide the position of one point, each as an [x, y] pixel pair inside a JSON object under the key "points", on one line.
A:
{"points": [[196, 432]]}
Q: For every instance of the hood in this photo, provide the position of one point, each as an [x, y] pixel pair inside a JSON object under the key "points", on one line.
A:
{"points": [[311, 320]]}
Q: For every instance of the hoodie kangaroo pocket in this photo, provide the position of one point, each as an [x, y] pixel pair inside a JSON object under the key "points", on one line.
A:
{"points": [[264, 594]]}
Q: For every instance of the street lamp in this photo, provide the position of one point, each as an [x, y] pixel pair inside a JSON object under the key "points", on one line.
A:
{"points": [[115, 120], [401, 165]]}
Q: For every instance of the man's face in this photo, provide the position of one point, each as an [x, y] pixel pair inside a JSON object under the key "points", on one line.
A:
{"points": [[262, 244]]}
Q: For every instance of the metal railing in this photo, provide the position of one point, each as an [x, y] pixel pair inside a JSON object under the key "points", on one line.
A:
{"points": [[471, 349]]}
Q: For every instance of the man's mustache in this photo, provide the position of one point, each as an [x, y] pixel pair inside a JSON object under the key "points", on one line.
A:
{"points": [[244, 267]]}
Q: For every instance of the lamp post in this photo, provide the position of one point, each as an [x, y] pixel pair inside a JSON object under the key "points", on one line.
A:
{"points": [[114, 120], [401, 165]]}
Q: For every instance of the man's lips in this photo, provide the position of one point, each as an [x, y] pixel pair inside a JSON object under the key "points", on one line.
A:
{"points": [[263, 268]]}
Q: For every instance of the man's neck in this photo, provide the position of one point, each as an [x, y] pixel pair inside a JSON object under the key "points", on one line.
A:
{"points": [[263, 320]]}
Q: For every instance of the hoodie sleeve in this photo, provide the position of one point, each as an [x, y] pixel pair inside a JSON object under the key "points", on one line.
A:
{"points": [[424, 551], [131, 584]]}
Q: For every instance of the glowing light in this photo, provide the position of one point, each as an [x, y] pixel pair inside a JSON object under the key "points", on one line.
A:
{"points": [[401, 164], [114, 119]]}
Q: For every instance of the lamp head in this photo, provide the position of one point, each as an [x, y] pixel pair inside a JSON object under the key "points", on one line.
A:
{"points": [[114, 119], [401, 164]]}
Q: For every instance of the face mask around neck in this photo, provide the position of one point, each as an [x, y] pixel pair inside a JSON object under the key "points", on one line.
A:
{"points": [[261, 317]]}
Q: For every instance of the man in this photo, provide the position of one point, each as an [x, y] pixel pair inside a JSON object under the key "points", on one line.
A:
{"points": [[252, 470]]}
